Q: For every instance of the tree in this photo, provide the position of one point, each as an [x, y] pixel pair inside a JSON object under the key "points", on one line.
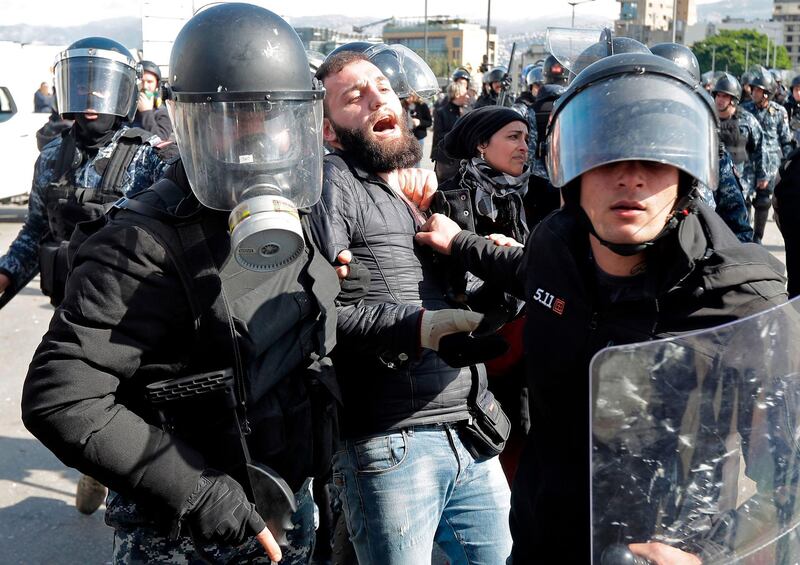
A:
{"points": [[729, 51]]}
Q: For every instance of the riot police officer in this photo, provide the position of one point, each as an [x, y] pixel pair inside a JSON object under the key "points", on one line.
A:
{"points": [[88, 167], [186, 367], [741, 134], [492, 87], [777, 142], [631, 256]]}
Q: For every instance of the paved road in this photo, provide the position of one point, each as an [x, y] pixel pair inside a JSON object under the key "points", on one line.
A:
{"points": [[38, 520]]}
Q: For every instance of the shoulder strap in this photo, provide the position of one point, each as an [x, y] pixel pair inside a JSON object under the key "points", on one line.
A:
{"points": [[122, 156]]}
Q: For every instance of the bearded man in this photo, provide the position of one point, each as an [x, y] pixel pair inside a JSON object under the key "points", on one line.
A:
{"points": [[410, 473]]}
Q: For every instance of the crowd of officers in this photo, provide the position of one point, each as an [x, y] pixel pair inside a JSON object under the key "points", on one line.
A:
{"points": [[239, 313]]}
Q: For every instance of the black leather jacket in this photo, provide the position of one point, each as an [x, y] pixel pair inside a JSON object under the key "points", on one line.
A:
{"points": [[387, 381]]}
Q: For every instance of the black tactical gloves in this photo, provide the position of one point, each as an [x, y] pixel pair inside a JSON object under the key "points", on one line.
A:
{"points": [[218, 510]]}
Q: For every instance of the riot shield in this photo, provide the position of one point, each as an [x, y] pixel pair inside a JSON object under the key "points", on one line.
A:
{"points": [[566, 43], [694, 442]]}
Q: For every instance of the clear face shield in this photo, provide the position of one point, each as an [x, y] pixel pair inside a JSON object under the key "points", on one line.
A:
{"points": [[262, 160], [634, 117], [407, 72], [95, 79]]}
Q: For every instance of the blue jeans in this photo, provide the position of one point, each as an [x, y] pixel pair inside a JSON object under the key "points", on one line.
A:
{"points": [[405, 490]]}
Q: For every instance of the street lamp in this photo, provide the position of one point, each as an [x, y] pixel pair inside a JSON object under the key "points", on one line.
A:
{"points": [[575, 3]]}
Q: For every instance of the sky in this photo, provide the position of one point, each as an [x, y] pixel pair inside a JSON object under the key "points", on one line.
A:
{"points": [[74, 12]]}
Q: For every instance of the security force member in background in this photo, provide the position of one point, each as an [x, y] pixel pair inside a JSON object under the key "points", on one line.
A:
{"points": [[80, 174], [91, 165], [777, 142], [631, 256], [409, 475], [742, 136], [151, 113], [493, 86], [728, 198], [164, 291]]}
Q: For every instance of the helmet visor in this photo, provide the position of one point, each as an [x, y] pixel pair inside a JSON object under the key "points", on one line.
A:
{"points": [[407, 72], [92, 83], [237, 150], [634, 117]]}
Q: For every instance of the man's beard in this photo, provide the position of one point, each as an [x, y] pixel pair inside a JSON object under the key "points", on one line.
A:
{"points": [[380, 156]]}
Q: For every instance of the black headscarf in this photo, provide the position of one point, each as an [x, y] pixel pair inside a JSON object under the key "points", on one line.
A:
{"points": [[478, 126]]}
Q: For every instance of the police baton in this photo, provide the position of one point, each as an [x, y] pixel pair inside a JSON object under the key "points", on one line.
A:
{"points": [[501, 100]]}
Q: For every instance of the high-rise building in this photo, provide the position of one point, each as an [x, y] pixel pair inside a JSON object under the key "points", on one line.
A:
{"points": [[787, 12], [652, 21]]}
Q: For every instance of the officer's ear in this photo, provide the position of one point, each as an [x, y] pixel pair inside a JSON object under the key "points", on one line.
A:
{"points": [[328, 133]]}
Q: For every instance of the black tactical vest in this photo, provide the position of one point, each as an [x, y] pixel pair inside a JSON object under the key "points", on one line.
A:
{"points": [[67, 205], [734, 139]]}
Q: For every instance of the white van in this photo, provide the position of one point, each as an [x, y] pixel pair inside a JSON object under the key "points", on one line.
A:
{"points": [[18, 150]]}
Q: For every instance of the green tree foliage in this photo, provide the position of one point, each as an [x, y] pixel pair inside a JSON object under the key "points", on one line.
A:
{"points": [[731, 51]]}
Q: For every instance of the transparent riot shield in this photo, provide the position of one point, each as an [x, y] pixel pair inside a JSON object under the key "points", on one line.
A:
{"points": [[695, 443], [566, 43]]}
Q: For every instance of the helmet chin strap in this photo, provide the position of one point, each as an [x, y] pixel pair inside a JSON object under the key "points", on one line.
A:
{"points": [[681, 210]]}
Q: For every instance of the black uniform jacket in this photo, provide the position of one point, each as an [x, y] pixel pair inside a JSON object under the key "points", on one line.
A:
{"points": [[126, 322], [697, 277]]}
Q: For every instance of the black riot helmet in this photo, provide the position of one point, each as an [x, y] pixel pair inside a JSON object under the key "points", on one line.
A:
{"points": [[554, 72], [606, 48], [248, 122], [534, 76], [496, 74], [747, 77], [354, 46], [151, 67], [763, 79], [680, 55], [795, 82], [461, 73], [728, 84], [644, 108], [99, 74]]}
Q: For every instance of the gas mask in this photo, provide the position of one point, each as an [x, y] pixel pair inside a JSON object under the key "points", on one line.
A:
{"points": [[262, 161]]}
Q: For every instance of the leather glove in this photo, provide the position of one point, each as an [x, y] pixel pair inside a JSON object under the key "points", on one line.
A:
{"points": [[218, 510], [355, 285], [450, 333]]}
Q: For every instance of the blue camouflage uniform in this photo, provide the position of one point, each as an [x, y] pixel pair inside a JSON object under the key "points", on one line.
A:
{"points": [[777, 140], [21, 262], [535, 162], [752, 170], [730, 204]]}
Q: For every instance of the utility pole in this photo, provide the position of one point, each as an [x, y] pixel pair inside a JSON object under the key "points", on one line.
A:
{"points": [[674, 19], [774, 54], [766, 61], [488, 24], [714, 59], [746, 55], [426, 31]]}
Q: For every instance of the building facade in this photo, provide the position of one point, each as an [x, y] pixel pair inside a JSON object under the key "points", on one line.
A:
{"points": [[450, 43], [652, 21], [787, 14]]}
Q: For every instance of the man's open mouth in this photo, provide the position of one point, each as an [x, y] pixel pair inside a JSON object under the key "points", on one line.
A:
{"points": [[384, 124], [627, 205]]}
